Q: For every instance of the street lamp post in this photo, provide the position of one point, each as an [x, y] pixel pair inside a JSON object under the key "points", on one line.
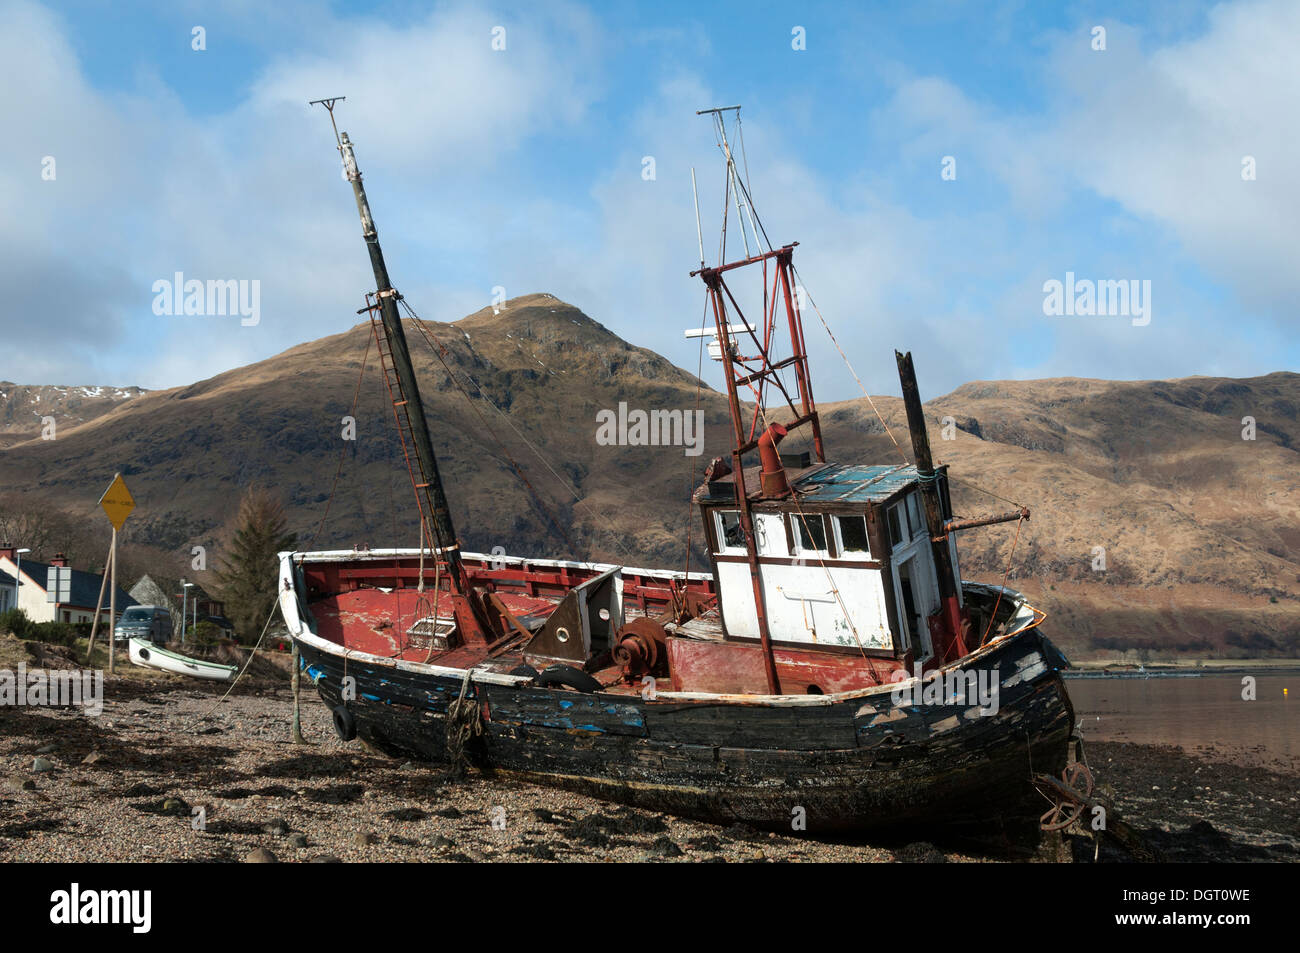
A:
{"points": [[185, 600]]}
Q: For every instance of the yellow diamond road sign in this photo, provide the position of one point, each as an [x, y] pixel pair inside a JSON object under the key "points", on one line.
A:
{"points": [[117, 502]]}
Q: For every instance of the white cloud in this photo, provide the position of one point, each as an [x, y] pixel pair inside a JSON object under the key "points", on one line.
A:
{"points": [[145, 188], [443, 125], [436, 94], [1164, 132]]}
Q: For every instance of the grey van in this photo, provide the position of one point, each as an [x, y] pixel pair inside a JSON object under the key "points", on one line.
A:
{"points": [[151, 623]]}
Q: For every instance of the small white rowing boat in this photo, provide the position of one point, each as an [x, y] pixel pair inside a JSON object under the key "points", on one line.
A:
{"points": [[147, 655]]}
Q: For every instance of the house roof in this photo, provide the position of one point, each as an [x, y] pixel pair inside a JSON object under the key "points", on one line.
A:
{"points": [[6, 579], [147, 591], [85, 585]]}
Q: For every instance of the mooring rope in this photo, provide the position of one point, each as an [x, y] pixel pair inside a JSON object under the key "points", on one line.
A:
{"points": [[993, 616], [241, 671], [464, 720]]}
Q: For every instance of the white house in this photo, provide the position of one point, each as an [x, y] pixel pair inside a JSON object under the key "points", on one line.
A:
{"points": [[6, 591], [32, 577]]}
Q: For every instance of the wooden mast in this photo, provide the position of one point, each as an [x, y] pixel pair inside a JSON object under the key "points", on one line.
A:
{"points": [[429, 491]]}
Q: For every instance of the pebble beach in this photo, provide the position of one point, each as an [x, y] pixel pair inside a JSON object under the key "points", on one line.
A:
{"points": [[172, 771]]}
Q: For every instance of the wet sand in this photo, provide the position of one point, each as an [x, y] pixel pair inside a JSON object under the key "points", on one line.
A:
{"points": [[1206, 716]]}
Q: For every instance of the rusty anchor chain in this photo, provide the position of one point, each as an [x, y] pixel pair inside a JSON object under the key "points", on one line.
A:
{"points": [[1071, 796]]}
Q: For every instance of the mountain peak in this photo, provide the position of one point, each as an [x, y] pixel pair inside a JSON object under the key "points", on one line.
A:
{"points": [[525, 311]]}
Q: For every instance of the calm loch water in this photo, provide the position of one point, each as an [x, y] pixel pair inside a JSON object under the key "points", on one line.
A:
{"points": [[1205, 715]]}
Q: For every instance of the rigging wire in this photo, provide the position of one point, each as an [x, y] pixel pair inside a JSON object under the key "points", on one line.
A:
{"points": [[399, 635], [803, 519], [438, 349], [993, 616], [356, 394], [845, 358], [435, 345], [690, 503], [1019, 522], [720, 132], [769, 319]]}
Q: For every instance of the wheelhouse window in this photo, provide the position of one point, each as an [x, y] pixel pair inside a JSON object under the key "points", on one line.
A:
{"points": [[769, 535], [809, 532], [898, 533], [915, 519], [906, 520], [851, 536], [731, 536]]}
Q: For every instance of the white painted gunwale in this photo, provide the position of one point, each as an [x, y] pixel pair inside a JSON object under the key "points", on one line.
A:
{"points": [[1027, 615]]}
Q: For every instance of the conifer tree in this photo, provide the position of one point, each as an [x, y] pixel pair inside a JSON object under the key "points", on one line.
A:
{"points": [[248, 573]]}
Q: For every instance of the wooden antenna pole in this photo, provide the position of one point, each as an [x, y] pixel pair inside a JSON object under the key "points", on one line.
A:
{"points": [[99, 607], [112, 603], [950, 599]]}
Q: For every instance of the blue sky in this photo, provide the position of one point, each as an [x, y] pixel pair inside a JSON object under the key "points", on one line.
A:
{"points": [[522, 169]]}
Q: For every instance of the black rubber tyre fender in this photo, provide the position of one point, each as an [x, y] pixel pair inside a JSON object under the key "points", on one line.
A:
{"points": [[566, 676], [523, 670], [345, 725]]}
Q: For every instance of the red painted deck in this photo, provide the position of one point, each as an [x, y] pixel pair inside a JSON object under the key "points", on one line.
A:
{"points": [[377, 622], [371, 605]]}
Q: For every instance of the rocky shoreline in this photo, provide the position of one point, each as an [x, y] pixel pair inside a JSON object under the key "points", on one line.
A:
{"points": [[126, 786]]}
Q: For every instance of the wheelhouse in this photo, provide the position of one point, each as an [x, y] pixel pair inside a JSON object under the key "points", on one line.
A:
{"points": [[845, 560]]}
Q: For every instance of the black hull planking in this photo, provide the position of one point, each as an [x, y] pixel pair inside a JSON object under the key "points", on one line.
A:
{"points": [[852, 765]]}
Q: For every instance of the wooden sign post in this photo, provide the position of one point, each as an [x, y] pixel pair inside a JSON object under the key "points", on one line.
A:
{"points": [[118, 503]]}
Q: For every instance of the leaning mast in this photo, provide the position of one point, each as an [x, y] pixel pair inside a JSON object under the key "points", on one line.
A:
{"points": [[429, 492]]}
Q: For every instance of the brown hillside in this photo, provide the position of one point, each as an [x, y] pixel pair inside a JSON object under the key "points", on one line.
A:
{"points": [[1201, 529]]}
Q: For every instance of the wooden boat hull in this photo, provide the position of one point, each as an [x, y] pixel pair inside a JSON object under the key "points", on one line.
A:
{"points": [[147, 655], [836, 763]]}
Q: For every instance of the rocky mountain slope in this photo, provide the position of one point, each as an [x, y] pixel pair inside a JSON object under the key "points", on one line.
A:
{"points": [[1200, 528], [24, 407]]}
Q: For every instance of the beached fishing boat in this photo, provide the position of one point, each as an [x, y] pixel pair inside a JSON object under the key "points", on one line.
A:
{"points": [[832, 670], [148, 655]]}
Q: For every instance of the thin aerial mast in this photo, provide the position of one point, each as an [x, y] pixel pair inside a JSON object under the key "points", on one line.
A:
{"points": [[744, 204], [756, 370], [699, 232]]}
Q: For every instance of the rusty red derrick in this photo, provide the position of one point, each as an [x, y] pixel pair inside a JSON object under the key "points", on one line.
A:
{"points": [[757, 378]]}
